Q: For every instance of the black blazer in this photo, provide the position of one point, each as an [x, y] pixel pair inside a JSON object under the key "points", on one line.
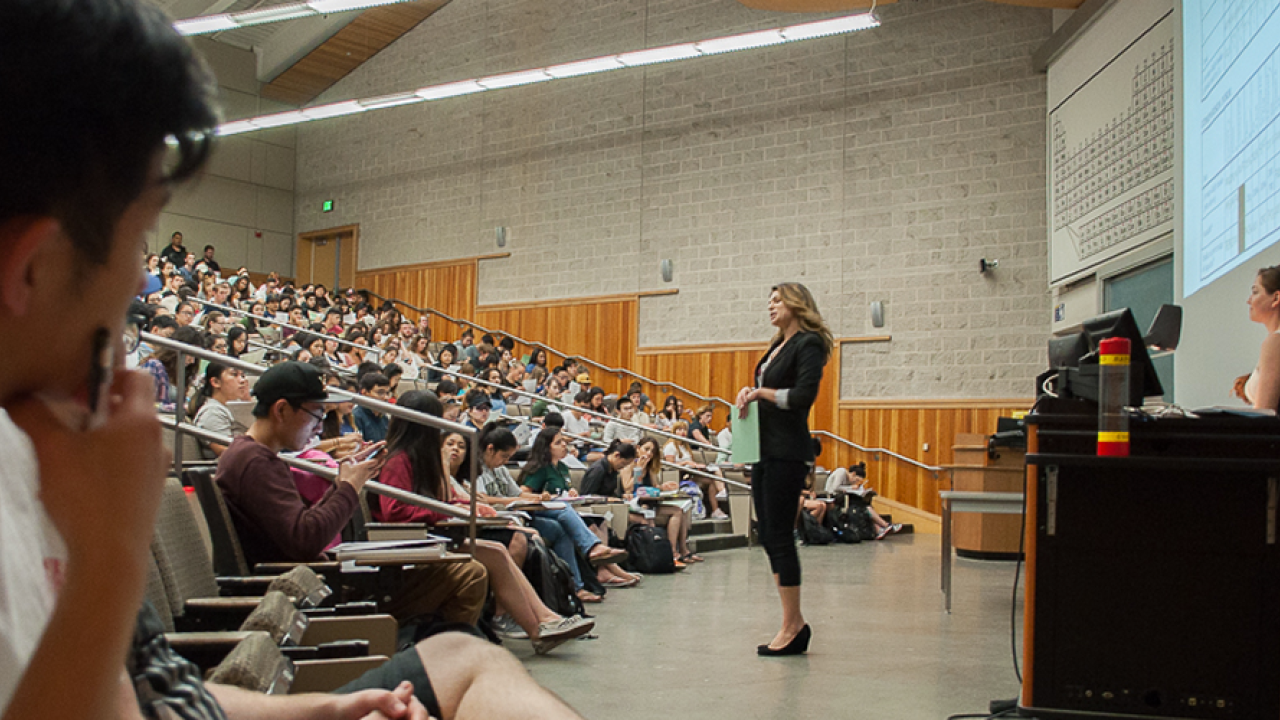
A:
{"points": [[784, 434]]}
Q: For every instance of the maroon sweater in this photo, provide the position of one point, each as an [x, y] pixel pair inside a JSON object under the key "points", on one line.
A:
{"points": [[272, 520]]}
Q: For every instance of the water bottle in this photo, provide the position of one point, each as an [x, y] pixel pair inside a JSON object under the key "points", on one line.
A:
{"points": [[1113, 394]]}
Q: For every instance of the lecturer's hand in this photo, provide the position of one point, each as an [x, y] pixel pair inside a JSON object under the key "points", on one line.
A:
{"points": [[745, 395]]}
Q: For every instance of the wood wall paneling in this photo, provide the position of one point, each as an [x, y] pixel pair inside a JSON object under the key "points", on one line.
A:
{"points": [[605, 330]]}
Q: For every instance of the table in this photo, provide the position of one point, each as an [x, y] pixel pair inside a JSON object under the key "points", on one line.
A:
{"points": [[961, 501]]}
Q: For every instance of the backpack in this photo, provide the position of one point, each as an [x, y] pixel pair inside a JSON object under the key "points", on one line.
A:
{"points": [[812, 532], [649, 550], [837, 521], [551, 579], [857, 515]]}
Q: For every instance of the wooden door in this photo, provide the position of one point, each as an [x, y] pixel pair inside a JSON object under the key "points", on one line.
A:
{"points": [[328, 257]]}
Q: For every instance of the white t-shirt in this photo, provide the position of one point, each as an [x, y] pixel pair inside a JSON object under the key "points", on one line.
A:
{"points": [[32, 558], [680, 453]]}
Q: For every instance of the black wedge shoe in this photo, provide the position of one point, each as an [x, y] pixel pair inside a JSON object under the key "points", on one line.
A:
{"points": [[798, 645]]}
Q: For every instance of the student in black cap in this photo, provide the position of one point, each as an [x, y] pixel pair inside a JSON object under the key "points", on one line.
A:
{"points": [[478, 408]]}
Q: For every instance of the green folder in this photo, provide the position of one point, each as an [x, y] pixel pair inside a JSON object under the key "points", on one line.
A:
{"points": [[746, 436]]}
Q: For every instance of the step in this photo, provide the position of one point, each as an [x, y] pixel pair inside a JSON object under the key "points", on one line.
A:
{"points": [[717, 541], [710, 527]]}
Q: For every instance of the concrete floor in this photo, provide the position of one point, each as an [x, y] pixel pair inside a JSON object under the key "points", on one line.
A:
{"points": [[883, 647]]}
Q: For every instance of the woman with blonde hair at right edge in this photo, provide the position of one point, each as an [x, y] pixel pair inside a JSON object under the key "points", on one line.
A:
{"points": [[786, 384], [1262, 388]]}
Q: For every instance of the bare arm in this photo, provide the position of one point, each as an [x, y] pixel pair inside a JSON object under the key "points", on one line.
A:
{"points": [[1268, 394], [92, 623], [372, 704]]}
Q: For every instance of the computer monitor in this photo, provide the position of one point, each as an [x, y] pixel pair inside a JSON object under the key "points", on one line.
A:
{"points": [[1120, 323], [1073, 360]]}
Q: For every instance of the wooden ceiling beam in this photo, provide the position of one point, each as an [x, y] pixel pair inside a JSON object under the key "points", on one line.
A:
{"points": [[366, 36]]}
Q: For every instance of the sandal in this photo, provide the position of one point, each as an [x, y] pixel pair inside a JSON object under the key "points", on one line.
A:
{"points": [[618, 582], [691, 558], [587, 596], [607, 556]]}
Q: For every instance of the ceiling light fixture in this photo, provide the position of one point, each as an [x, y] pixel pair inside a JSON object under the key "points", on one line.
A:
{"points": [[638, 58], [206, 24]]}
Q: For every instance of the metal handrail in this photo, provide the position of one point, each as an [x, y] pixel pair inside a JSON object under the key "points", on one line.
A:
{"points": [[935, 469], [548, 348], [279, 323], [383, 407], [328, 473], [713, 398], [561, 403], [597, 443]]}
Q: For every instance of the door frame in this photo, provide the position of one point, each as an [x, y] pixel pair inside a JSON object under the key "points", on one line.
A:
{"points": [[313, 235]]}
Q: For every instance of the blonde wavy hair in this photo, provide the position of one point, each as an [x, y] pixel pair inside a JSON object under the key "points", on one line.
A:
{"points": [[800, 302]]}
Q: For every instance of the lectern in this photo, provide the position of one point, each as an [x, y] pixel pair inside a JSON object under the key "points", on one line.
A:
{"points": [[1153, 586]]}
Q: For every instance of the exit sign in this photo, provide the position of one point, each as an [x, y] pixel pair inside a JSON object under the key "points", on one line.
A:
{"points": [[326, 206]]}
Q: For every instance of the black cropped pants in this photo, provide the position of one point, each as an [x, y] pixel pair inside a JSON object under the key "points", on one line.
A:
{"points": [[775, 488]]}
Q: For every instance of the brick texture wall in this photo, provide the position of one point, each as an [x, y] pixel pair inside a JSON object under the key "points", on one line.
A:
{"points": [[879, 166]]}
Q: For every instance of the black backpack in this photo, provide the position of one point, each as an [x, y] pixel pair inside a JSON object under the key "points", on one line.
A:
{"points": [[551, 579], [837, 521], [858, 514], [649, 550], [812, 532]]}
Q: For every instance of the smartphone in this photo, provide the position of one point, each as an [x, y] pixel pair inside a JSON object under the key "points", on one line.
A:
{"points": [[101, 369], [375, 453]]}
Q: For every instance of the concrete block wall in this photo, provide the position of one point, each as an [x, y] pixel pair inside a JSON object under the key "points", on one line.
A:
{"points": [[879, 166], [243, 204]]}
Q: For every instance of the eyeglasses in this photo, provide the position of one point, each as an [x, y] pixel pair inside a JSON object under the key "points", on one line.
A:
{"points": [[317, 417]]}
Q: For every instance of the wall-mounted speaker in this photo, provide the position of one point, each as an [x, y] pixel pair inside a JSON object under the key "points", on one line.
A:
{"points": [[877, 313], [667, 270]]}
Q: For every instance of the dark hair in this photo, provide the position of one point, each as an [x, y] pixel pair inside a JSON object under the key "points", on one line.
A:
{"points": [[625, 450], [540, 453], [468, 333], [859, 469], [332, 426], [486, 339], [420, 444], [474, 397], [366, 368], [1269, 278], [582, 397], [392, 370], [207, 248], [168, 357], [447, 387], [495, 435], [553, 419], [92, 90], [233, 334], [508, 344], [624, 399], [369, 381], [453, 351], [333, 311], [161, 322]]}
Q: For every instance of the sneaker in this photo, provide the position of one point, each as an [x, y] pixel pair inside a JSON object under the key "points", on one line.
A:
{"points": [[893, 529], [719, 515], [553, 634], [506, 628], [722, 495]]}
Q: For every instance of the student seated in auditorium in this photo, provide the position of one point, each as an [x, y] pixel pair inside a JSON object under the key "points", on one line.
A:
{"points": [[478, 407], [614, 430], [675, 515], [222, 385], [393, 373], [273, 522], [415, 462], [445, 362], [371, 423], [497, 398], [162, 365], [677, 452], [700, 429], [339, 437], [563, 529]]}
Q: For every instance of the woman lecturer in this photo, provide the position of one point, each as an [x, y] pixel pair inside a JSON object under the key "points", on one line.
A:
{"points": [[786, 384]]}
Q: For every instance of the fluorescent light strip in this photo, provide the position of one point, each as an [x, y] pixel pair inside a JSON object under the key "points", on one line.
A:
{"points": [[205, 24], [638, 58]]}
